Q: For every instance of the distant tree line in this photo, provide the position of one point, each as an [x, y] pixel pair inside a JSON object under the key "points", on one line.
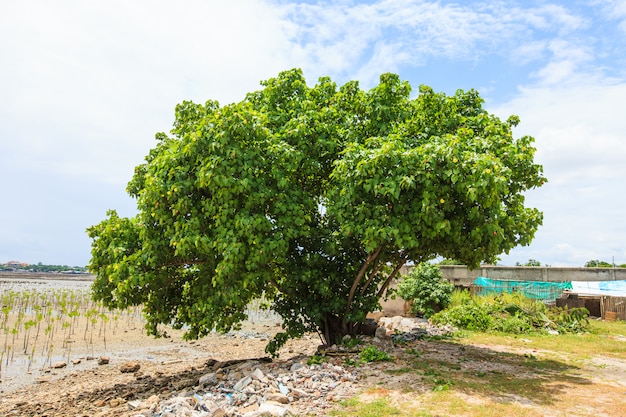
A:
{"points": [[590, 264], [594, 263], [44, 268], [531, 262]]}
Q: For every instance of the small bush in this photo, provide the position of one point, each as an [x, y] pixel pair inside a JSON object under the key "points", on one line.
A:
{"points": [[426, 289], [317, 360], [469, 316], [373, 354], [514, 324]]}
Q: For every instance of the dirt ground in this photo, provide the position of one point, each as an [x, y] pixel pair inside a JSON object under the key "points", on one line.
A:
{"points": [[596, 387]]}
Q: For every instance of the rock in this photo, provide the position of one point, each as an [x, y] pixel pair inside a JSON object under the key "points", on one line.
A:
{"points": [[103, 360], [381, 332], [408, 322], [150, 402], [217, 412], [375, 315], [249, 410], [208, 379], [299, 393], [116, 402], [278, 397], [296, 366], [59, 365], [242, 383], [258, 374], [270, 409], [99, 403], [76, 361], [129, 367], [176, 406], [134, 404]]}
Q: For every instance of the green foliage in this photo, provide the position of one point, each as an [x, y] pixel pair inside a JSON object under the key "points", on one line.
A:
{"points": [[469, 316], [426, 289], [351, 342], [602, 264], [317, 360], [450, 262], [510, 313], [531, 262], [312, 197], [373, 354]]}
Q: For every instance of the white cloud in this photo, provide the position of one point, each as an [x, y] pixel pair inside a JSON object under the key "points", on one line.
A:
{"points": [[550, 17], [114, 71], [565, 61], [580, 142], [529, 52]]}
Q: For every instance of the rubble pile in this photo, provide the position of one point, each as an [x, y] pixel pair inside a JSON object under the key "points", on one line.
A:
{"points": [[256, 388]]}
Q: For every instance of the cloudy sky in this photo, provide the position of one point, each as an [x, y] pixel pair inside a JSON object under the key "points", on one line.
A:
{"points": [[84, 86]]}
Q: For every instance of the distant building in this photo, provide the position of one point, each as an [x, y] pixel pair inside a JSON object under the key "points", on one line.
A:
{"points": [[15, 264]]}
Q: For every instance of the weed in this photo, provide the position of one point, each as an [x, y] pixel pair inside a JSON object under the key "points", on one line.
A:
{"points": [[351, 362], [373, 354], [317, 360], [351, 342]]}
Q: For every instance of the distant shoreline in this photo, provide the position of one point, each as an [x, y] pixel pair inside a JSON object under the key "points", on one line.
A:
{"points": [[46, 275]]}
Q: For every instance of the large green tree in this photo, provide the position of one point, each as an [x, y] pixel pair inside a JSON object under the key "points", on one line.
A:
{"points": [[313, 197]]}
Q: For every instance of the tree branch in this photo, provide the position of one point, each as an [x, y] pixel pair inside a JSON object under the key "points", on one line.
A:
{"points": [[391, 277], [360, 275], [275, 285], [371, 278]]}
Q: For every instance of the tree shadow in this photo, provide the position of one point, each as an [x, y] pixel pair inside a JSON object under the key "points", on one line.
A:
{"points": [[500, 376]]}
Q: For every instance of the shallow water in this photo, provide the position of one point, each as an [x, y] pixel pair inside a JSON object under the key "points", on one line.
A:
{"points": [[19, 367], [27, 284]]}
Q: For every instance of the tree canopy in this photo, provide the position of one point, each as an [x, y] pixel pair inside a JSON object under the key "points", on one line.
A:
{"points": [[313, 197], [595, 263]]}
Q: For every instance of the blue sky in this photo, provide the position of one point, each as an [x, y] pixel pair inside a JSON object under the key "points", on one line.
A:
{"points": [[84, 86]]}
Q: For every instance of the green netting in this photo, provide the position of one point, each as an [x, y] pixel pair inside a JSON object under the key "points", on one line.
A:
{"points": [[538, 290]]}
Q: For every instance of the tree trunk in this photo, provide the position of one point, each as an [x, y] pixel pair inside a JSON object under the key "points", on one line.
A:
{"points": [[333, 330]]}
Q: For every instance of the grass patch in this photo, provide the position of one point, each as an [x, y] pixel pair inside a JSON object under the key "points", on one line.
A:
{"points": [[602, 338], [376, 408]]}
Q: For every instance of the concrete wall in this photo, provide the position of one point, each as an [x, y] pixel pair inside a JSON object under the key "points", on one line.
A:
{"points": [[460, 275]]}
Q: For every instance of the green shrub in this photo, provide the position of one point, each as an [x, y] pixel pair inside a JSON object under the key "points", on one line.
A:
{"points": [[510, 313], [513, 324], [425, 289], [469, 316]]}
